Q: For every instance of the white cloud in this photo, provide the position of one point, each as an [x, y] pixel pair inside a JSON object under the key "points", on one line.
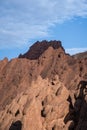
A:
{"points": [[23, 20], [75, 50]]}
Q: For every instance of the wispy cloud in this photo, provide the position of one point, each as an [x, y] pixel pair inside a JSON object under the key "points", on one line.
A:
{"points": [[75, 50], [24, 20]]}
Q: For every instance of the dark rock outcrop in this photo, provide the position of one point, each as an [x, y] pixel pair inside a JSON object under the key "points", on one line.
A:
{"points": [[39, 48]]}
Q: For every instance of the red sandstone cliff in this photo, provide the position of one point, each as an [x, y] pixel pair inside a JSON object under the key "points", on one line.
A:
{"points": [[44, 89]]}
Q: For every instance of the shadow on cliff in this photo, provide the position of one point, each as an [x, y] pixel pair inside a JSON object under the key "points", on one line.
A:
{"points": [[16, 125], [77, 115]]}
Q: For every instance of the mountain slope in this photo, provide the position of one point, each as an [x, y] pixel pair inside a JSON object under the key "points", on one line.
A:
{"points": [[43, 89]]}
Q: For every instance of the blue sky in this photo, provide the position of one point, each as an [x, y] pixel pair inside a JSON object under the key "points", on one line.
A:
{"points": [[22, 22]]}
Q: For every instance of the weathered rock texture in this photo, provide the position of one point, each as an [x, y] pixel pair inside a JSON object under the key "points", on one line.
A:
{"points": [[44, 89]]}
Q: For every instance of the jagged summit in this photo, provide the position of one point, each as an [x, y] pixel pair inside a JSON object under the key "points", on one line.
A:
{"points": [[37, 49]]}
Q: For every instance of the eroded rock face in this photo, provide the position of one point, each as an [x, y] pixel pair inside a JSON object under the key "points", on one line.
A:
{"points": [[44, 89], [41, 107]]}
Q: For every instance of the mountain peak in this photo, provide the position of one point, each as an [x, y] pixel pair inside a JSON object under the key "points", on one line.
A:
{"points": [[38, 48]]}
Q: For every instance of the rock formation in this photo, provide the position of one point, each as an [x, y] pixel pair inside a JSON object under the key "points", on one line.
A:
{"points": [[44, 89]]}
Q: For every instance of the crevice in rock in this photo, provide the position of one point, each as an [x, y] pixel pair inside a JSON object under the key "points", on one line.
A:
{"points": [[16, 125], [43, 114], [70, 101], [52, 83], [42, 103], [53, 128], [17, 113], [58, 92], [59, 56], [9, 111]]}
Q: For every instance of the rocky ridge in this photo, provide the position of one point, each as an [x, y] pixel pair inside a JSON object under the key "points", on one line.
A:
{"points": [[44, 89]]}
